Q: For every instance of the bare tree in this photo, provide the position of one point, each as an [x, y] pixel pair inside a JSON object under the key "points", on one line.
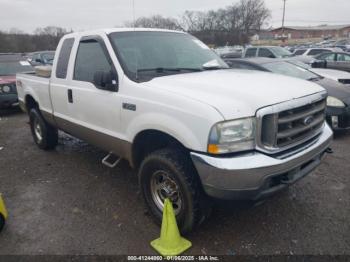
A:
{"points": [[233, 24], [156, 21]]}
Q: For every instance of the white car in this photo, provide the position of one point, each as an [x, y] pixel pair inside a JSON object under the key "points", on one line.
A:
{"points": [[193, 128], [337, 75], [315, 51]]}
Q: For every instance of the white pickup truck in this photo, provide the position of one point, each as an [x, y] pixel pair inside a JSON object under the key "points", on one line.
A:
{"points": [[194, 129]]}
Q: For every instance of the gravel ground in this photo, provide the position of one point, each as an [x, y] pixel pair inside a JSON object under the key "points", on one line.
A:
{"points": [[66, 202]]}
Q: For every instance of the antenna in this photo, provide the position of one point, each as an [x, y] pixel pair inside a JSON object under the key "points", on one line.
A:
{"points": [[133, 12], [134, 24]]}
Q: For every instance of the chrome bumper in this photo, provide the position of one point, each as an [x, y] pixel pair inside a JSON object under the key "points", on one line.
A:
{"points": [[256, 175]]}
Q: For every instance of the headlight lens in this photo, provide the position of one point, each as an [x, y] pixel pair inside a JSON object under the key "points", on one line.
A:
{"points": [[334, 102], [232, 136], [5, 89]]}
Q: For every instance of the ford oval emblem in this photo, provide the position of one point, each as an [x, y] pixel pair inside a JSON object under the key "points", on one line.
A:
{"points": [[308, 120]]}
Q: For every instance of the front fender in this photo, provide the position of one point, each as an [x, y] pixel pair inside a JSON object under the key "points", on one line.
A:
{"points": [[169, 125]]}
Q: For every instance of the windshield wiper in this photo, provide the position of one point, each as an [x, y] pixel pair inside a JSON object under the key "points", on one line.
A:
{"points": [[164, 69], [314, 78]]}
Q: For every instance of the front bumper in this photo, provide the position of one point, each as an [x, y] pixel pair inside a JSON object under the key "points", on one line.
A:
{"points": [[256, 175], [8, 100], [338, 118]]}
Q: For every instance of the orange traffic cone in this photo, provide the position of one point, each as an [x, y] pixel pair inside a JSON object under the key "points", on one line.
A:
{"points": [[170, 242]]}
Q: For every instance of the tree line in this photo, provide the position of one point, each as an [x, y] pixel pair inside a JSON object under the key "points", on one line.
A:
{"points": [[231, 25], [234, 24], [16, 41]]}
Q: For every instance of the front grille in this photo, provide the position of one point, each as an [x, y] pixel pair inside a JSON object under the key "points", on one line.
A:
{"points": [[344, 81], [293, 126]]}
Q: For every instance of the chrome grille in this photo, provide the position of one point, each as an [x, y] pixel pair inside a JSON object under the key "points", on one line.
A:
{"points": [[291, 125]]}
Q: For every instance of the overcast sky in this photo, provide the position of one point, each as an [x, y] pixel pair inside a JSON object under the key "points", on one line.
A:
{"points": [[27, 15]]}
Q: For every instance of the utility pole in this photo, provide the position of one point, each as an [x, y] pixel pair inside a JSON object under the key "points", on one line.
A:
{"points": [[284, 14]]}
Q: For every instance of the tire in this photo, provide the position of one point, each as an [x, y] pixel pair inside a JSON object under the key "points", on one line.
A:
{"points": [[174, 168], [44, 135], [2, 222]]}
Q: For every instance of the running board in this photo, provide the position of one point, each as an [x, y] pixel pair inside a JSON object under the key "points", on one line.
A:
{"points": [[111, 160]]}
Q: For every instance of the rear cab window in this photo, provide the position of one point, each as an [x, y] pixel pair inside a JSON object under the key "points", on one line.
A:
{"points": [[63, 58]]}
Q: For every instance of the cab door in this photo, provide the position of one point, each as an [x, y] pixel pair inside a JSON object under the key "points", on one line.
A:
{"points": [[343, 62], [93, 95]]}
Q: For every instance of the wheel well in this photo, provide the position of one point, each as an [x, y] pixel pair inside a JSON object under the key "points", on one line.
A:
{"points": [[149, 141], [30, 103]]}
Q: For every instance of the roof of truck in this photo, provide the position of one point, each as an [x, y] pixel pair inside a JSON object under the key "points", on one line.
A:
{"points": [[123, 29]]}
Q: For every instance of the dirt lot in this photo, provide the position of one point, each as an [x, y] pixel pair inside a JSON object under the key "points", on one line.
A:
{"points": [[66, 202]]}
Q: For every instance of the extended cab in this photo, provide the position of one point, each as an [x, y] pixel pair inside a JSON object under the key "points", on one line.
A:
{"points": [[193, 128]]}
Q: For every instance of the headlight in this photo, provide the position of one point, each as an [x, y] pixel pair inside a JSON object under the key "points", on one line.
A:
{"points": [[5, 89], [232, 136], [334, 102]]}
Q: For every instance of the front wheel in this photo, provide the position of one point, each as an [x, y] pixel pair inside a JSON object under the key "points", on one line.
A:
{"points": [[44, 135], [169, 173]]}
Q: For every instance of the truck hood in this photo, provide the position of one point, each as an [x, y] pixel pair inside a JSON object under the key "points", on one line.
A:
{"points": [[236, 93]]}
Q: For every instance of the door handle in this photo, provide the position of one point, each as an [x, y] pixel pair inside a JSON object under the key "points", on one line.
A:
{"points": [[70, 96]]}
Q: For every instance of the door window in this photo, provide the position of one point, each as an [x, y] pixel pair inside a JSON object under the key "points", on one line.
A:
{"points": [[317, 51], [264, 52], [299, 52], [327, 57], [90, 59], [251, 52], [343, 58]]}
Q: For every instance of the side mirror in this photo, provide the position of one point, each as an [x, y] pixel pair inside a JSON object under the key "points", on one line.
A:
{"points": [[106, 80], [38, 60]]}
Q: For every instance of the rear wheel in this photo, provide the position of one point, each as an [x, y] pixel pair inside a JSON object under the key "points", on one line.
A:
{"points": [[169, 173], [44, 135]]}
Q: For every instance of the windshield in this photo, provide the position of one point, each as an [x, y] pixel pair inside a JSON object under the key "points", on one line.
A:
{"points": [[14, 67], [145, 55], [281, 52], [288, 69]]}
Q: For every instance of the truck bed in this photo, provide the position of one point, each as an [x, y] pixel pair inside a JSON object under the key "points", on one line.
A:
{"points": [[38, 86]]}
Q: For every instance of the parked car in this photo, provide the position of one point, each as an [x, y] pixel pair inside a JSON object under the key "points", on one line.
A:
{"points": [[193, 128], [42, 58], [229, 51], [317, 67], [338, 101], [267, 51], [344, 44], [336, 60], [10, 64], [314, 51]]}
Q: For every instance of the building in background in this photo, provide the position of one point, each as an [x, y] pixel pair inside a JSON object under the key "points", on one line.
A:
{"points": [[305, 32]]}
